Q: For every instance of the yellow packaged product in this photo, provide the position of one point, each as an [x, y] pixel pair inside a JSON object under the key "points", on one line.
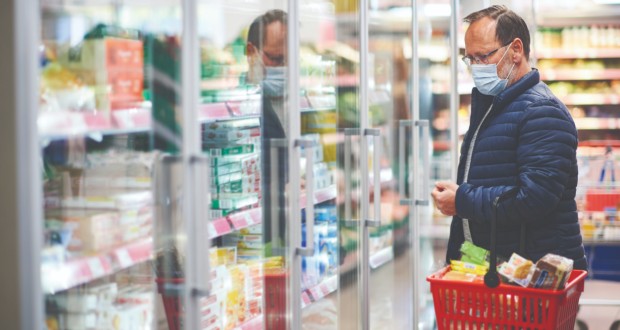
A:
{"points": [[467, 267]]}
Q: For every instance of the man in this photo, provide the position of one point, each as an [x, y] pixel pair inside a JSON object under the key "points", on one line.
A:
{"points": [[520, 137], [266, 53]]}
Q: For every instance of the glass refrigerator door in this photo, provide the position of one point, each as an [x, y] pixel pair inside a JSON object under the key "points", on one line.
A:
{"points": [[434, 144], [387, 139], [329, 123], [112, 132], [243, 115]]}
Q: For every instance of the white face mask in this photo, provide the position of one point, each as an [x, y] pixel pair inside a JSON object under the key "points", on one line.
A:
{"points": [[274, 81], [486, 79]]}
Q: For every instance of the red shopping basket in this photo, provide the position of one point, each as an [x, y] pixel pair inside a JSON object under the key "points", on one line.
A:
{"points": [[171, 290], [275, 299], [494, 305], [466, 305]]}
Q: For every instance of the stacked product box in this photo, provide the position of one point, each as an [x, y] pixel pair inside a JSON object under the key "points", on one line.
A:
{"points": [[104, 306], [236, 287], [248, 242], [324, 262], [234, 149], [102, 205], [111, 60], [323, 175]]}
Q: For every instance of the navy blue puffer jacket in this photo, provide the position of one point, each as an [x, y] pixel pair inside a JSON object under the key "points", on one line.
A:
{"points": [[528, 141]]}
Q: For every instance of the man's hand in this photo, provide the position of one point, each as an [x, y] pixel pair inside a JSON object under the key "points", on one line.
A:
{"points": [[444, 196]]}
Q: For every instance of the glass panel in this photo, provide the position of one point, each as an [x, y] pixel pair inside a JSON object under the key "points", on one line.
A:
{"points": [[435, 88], [110, 74], [330, 118], [244, 123], [389, 104]]}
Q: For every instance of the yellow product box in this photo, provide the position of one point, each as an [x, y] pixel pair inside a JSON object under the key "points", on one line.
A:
{"points": [[226, 255], [319, 122], [250, 245], [235, 308], [276, 262], [467, 267], [252, 230]]}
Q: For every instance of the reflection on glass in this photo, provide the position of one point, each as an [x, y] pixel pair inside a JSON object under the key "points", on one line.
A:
{"points": [[108, 75]]}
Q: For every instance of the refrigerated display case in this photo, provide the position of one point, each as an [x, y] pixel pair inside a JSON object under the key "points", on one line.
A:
{"points": [[169, 202]]}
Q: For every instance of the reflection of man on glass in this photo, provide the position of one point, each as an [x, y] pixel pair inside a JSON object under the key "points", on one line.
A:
{"points": [[266, 53]]}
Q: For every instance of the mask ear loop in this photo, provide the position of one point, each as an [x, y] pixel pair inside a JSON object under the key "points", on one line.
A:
{"points": [[513, 64]]}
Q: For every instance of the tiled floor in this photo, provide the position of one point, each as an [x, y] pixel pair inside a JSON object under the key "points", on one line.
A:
{"points": [[600, 316]]}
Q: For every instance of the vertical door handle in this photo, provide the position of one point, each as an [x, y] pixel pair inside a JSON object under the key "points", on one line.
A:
{"points": [[348, 170], [401, 161], [308, 146], [424, 126], [275, 145], [375, 133], [200, 241]]}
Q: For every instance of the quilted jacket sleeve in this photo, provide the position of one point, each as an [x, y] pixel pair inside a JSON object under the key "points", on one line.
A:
{"points": [[547, 142]]}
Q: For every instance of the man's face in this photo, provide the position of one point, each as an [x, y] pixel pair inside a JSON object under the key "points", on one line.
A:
{"points": [[274, 46], [480, 39], [272, 54]]}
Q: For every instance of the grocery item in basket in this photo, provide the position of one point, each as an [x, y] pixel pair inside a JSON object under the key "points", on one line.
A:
{"points": [[517, 270], [454, 275], [551, 272], [474, 254], [467, 267]]}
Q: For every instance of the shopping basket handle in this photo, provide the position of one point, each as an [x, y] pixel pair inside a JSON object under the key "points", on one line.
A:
{"points": [[491, 278]]}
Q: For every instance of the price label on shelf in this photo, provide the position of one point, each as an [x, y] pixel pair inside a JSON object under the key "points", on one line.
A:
{"points": [[219, 227], [316, 293], [212, 230], [248, 217], [239, 221], [305, 299], [123, 257], [213, 111], [96, 267]]}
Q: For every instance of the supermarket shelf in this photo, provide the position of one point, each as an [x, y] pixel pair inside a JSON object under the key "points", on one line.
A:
{"points": [[219, 227], [600, 143], [577, 74], [591, 99], [601, 242], [59, 276], [212, 112], [64, 124], [237, 221], [254, 324], [245, 219], [576, 53], [381, 257], [590, 123], [319, 291]]}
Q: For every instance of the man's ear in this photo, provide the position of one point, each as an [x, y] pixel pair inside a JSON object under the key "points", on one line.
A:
{"points": [[517, 50], [250, 49]]}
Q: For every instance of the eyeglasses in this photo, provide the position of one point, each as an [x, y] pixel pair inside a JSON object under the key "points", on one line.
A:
{"points": [[469, 60], [275, 59]]}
